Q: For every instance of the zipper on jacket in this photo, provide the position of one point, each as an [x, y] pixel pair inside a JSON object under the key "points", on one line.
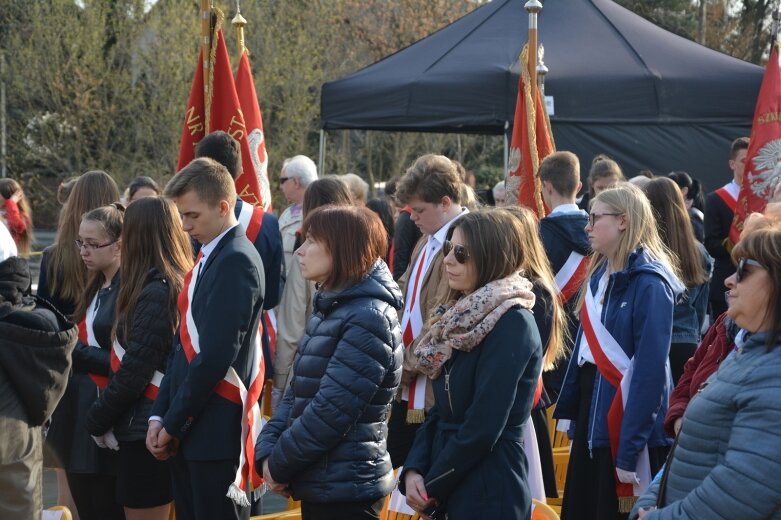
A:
{"points": [[447, 389], [443, 475], [608, 290]]}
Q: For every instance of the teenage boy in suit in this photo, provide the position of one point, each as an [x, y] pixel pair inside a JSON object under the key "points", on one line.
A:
{"points": [[261, 228], [197, 417], [566, 243], [431, 188], [719, 212]]}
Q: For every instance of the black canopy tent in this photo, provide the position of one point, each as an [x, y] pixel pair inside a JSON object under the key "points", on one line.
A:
{"points": [[620, 85]]}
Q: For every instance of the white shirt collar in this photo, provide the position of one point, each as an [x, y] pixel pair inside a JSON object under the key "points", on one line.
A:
{"points": [[566, 209], [206, 249]]}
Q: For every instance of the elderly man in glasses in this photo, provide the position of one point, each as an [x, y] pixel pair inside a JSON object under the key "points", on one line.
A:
{"points": [[297, 173]]}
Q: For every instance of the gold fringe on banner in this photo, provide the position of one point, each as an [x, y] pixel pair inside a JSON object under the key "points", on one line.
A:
{"points": [[531, 123], [625, 504], [415, 416]]}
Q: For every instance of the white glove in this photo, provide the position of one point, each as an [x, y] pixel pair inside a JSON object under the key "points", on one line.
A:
{"points": [[99, 441], [276, 397], [627, 477], [111, 440]]}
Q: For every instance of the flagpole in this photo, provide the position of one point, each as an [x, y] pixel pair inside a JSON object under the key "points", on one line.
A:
{"points": [[239, 22], [206, 45], [533, 7]]}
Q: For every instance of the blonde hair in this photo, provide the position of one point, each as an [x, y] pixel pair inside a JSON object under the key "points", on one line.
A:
{"points": [[537, 268], [641, 231]]}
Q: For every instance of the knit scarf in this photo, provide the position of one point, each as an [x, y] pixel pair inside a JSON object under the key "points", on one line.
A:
{"points": [[465, 322]]}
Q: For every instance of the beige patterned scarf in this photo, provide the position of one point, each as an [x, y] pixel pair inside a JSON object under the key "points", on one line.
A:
{"points": [[465, 322]]}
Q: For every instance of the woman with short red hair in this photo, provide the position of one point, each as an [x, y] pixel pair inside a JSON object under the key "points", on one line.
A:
{"points": [[326, 443]]}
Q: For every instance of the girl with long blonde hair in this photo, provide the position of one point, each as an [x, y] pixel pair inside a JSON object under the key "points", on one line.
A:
{"points": [[626, 311]]}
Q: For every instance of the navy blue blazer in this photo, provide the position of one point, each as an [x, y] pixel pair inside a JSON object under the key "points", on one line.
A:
{"points": [[226, 306], [268, 243]]}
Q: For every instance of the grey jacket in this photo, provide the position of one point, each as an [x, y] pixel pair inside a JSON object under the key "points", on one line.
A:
{"points": [[728, 456]]}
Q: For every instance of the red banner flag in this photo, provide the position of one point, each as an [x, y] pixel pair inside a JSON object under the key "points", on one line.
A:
{"points": [[194, 118], [258, 160], [225, 114], [531, 142], [763, 159]]}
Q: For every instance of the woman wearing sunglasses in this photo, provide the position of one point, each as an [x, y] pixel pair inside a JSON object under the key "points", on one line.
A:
{"points": [[626, 318], [727, 457], [484, 356]]}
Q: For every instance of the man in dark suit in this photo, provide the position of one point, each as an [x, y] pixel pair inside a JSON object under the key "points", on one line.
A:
{"points": [[196, 419], [719, 212], [262, 228]]}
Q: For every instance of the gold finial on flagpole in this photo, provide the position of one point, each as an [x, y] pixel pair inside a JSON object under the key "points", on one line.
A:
{"points": [[239, 22]]}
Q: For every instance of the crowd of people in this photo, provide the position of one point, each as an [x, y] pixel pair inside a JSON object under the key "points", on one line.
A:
{"points": [[414, 343]]}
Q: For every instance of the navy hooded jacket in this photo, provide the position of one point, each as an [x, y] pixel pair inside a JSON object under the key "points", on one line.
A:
{"points": [[638, 312], [562, 234]]}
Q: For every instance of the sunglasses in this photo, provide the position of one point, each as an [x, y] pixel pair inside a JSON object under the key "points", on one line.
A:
{"points": [[283, 180], [741, 273], [461, 253]]}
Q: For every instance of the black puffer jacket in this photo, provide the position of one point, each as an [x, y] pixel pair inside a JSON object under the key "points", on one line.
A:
{"points": [[123, 405], [327, 439]]}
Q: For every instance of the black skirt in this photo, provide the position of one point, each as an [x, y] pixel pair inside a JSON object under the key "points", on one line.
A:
{"points": [[590, 491]]}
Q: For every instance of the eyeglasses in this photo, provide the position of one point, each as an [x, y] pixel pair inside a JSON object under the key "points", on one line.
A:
{"points": [[593, 218], [91, 247], [461, 253], [741, 273], [283, 180]]}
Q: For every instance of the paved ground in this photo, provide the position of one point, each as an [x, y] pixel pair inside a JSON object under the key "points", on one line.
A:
{"points": [[270, 502]]}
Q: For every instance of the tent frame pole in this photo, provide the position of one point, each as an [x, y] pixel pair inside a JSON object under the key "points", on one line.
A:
{"points": [[321, 156], [506, 148]]}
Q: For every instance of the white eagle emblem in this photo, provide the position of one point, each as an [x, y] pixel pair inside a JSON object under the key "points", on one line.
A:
{"points": [[767, 169], [514, 160], [257, 150]]}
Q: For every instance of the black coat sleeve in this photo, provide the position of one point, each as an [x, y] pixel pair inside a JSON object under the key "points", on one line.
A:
{"points": [[148, 344], [718, 219], [90, 359], [405, 236], [273, 260]]}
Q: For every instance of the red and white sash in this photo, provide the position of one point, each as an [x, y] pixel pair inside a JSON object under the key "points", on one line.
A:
{"points": [[87, 337], [617, 368], [151, 390], [232, 388], [411, 326], [729, 194], [571, 275], [251, 219]]}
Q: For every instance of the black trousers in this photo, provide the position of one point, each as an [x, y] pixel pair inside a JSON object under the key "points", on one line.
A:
{"points": [[200, 487], [400, 434], [366, 510], [679, 355]]}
